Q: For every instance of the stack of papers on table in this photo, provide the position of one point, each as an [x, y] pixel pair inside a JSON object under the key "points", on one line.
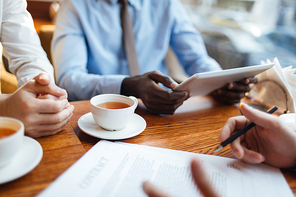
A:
{"points": [[118, 169]]}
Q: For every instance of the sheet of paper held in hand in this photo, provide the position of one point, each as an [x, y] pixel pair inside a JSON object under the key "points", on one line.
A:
{"points": [[118, 169], [204, 83]]}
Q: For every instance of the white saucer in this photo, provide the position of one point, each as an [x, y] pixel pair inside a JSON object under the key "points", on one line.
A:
{"points": [[134, 127], [26, 160]]}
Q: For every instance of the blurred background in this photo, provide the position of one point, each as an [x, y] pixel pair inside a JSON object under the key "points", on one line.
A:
{"points": [[236, 33], [244, 32]]}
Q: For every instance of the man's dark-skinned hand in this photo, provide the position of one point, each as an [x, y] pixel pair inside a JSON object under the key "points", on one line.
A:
{"points": [[157, 99], [233, 92]]}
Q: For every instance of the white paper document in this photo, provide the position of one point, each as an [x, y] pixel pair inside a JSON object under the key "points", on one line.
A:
{"points": [[118, 169]]}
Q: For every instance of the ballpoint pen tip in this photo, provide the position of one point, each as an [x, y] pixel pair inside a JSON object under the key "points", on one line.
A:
{"points": [[218, 148]]}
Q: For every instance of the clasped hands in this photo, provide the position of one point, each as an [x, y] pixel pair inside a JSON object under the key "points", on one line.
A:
{"points": [[159, 100], [40, 105]]}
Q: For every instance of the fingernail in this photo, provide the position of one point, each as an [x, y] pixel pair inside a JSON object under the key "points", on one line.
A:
{"points": [[256, 158], [60, 90], [174, 84], [43, 76], [230, 85], [247, 81]]}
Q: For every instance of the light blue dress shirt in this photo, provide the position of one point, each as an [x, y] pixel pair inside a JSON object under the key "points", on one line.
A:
{"points": [[87, 48]]}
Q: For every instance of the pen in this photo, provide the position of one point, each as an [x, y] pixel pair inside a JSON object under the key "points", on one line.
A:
{"points": [[240, 132]]}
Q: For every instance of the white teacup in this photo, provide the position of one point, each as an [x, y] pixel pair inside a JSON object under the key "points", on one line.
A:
{"points": [[112, 119], [289, 119], [11, 139]]}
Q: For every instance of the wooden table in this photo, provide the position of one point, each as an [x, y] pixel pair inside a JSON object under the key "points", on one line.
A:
{"points": [[194, 127]]}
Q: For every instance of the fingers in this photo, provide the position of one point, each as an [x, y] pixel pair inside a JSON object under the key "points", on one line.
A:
{"points": [[49, 96], [43, 79], [159, 100], [238, 146], [163, 108], [235, 91], [167, 96], [49, 105], [48, 124], [40, 85], [158, 77], [248, 80], [239, 87], [233, 124], [251, 80], [245, 154], [199, 176], [167, 81], [153, 191], [260, 118], [228, 96], [242, 86], [48, 118], [158, 105], [201, 179], [52, 89]]}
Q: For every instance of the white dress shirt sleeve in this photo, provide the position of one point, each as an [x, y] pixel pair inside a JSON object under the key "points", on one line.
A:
{"points": [[21, 43]]}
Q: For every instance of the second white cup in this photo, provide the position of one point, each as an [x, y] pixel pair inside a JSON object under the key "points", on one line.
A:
{"points": [[113, 111], [11, 139], [289, 119]]}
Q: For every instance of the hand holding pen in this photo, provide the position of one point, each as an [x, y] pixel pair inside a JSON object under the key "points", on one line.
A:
{"points": [[241, 131], [269, 141]]}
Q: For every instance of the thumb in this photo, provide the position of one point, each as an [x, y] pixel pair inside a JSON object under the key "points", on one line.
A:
{"points": [[167, 81], [37, 89], [260, 118], [43, 79]]}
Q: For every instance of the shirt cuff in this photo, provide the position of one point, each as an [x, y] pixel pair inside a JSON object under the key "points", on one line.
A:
{"points": [[111, 84]]}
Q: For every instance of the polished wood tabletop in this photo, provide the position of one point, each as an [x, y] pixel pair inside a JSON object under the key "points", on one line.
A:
{"points": [[60, 151], [194, 127]]}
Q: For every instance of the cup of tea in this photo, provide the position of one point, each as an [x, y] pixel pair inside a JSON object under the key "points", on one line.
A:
{"points": [[11, 139], [289, 119], [113, 111]]}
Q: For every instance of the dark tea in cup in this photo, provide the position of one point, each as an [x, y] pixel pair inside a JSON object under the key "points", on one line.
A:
{"points": [[11, 139], [5, 132], [113, 105], [112, 111]]}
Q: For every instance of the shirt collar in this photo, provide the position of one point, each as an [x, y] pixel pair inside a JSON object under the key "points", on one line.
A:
{"points": [[135, 3]]}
